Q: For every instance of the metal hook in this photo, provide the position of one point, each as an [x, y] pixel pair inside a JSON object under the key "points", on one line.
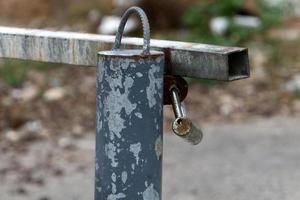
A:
{"points": [[146, 29]]}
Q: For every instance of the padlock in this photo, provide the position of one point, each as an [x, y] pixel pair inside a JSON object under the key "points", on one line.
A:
{"points": [[129, 118], [182, 126]]}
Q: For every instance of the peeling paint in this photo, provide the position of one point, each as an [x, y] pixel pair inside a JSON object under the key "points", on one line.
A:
{"points": [[154, 86], [139, 115], [113, 188], [99, 189], [127, 143], [98, 115], [114, 177], [110, 151], [116, 196], [139, 74], [120, 100], [150, 193], [116, 125], [158, 147], [124, 177], [136, 149]]}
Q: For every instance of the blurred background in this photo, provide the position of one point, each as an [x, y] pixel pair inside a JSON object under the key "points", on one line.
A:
{"points": [[47, 111]]}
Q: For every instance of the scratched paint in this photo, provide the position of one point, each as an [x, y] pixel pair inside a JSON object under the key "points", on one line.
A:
{"points": [[153, 86], [110, 151], [150, 193], [158, 147], [124, 177], [128, 124], [136, 149], [116, 196]]}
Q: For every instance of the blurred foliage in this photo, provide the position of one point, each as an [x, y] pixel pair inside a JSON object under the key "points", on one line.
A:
{"points": [[284, 60], [297, 94], [204, 82], [197, 18], [14, 72]]}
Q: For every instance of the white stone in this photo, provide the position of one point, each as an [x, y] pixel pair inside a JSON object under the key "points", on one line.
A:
{"points": [[33, 126], [247, 21], [12, 136], [54, 94], [294, 84], [219, 25], [66, 142], [26, 94], [109, 25]]}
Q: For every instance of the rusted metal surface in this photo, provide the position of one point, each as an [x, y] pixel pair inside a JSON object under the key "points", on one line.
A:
{"points": [[184, 59], [184, 128], [177, 81]]}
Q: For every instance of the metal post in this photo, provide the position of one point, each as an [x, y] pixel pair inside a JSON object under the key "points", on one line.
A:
{"points": [[129, 120], [129, 130]]}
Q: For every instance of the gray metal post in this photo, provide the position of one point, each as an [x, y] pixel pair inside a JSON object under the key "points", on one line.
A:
{"points": [[129, 130], [129, 123]]}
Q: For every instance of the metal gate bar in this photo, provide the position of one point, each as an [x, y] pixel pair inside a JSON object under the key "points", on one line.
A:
{"points": [[182, 58]]}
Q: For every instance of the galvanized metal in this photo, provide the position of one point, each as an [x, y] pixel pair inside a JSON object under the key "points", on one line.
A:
{"points": [[129, 124], [184, 59]]}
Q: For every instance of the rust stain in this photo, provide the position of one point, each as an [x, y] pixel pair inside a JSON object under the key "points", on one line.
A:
{"points": [[182, 126], [168, 62]]}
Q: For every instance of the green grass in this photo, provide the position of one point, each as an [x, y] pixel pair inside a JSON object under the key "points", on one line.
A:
{"points": [[297, 94], [14, 72]]}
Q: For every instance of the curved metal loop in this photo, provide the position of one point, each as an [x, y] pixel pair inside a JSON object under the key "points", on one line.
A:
{"points": [[146, 29]]}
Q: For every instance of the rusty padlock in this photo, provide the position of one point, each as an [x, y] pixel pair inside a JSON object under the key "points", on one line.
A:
{"points": [[176, 89]]}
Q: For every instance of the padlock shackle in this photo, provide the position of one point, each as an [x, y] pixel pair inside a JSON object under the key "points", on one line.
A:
{"points": [[146, 29], [176, 104]]}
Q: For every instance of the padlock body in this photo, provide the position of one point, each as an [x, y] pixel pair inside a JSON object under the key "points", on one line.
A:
{"points": [[129, 125], [185, 129]]}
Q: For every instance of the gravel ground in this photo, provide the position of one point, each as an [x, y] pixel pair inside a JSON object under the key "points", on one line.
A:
{"points": [[255, 160]]}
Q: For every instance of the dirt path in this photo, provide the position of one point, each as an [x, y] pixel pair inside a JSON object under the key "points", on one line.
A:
{"points": [[255, 160]]}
